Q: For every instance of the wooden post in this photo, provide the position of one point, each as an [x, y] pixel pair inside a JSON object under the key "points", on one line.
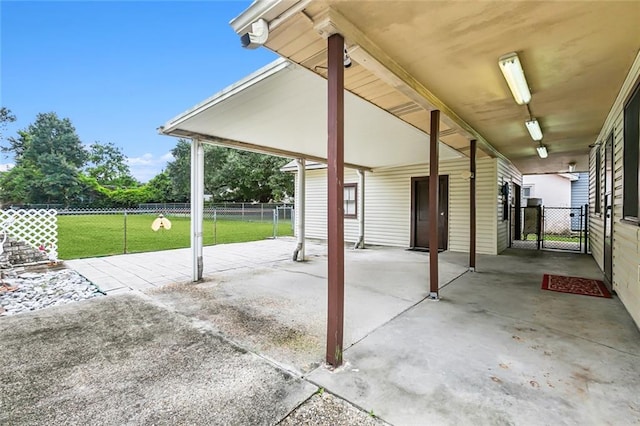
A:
{"points": [[434, 208], [335, 194], [472, 207]]}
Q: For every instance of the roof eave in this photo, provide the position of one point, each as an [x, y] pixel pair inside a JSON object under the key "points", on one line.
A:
{"points": [[265, 9]]}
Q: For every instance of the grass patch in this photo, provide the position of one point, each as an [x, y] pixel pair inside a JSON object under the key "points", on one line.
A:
{"points": [[556, 237], [103, 235]]}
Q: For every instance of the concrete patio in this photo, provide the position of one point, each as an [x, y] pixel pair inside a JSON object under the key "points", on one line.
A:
{"points": [[495, 350]]}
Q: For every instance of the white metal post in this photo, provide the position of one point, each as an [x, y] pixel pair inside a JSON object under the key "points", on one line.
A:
{"points": [[300, 209], [197, 206], [360, 243]]}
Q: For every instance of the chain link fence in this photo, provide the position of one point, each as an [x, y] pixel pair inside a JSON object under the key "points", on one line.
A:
{"points": [[556, 228], [104, 232]]}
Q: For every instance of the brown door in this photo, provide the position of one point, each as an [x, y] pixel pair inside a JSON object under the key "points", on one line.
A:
{"points": [[420, 212], [608, 209]]}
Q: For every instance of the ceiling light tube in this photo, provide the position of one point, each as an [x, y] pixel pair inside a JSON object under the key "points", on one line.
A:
{"points": [[534, 129], [542, 151], [512, 71]]}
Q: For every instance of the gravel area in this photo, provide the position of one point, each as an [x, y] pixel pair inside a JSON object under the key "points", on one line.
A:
{"points": [[30, 291], [325, 409]]}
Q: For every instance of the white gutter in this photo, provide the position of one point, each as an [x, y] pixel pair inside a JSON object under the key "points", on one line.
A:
{"points": [[274, 12], [259, 9]]}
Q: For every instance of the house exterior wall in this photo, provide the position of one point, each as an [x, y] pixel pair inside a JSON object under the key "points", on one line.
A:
{"points": [[626, 237], [580, 190], [388, 205], [555, 190], [506, 173]]}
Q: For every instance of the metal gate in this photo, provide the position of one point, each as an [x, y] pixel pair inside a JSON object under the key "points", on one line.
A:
{"points": [[552, 228]]}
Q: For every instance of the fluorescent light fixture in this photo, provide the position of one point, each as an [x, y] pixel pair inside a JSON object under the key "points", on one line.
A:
{"points": [[534, 129], [512, 70], [572, 167], [542, 151]]}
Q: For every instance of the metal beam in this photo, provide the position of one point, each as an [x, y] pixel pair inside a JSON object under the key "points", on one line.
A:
{"points": [[472, 206], [335, 194], [434, 207], [197, 207], [245, 146]]}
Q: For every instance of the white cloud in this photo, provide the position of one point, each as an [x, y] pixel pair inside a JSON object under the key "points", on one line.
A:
{"points": [[147, 165], [6, 167]]}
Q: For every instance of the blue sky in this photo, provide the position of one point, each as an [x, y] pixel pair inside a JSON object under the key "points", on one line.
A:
{"points": [[119, 70]]}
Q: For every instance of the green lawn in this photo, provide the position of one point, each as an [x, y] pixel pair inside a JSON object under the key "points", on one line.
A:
{"points": [[103, 235], [555, 237]]}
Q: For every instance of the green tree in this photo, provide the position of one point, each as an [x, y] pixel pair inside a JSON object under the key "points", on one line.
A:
{"points": [[160, 188], [108, 165], [5, 117], [179, 170], [230, 174], [49, 154]]}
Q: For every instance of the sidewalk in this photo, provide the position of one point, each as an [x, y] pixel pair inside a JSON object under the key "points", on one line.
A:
{"points": [[145, 271]]}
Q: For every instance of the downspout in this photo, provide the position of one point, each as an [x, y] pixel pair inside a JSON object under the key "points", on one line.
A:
{"points": [[360, 243], [298, 254]]}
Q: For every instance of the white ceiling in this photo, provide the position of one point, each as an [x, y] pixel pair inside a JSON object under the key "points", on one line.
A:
{"points": [[283, 107]]}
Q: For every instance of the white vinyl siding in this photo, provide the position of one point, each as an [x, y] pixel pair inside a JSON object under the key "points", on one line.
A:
{"points": [[626, 237], [388, 205], [507, 173], [596, 221]]}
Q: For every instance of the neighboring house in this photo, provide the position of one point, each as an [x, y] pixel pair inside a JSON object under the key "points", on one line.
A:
{"points": [[563, 193]]}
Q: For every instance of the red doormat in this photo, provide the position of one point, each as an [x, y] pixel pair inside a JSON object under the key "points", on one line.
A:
{"points": [[575, 285]]}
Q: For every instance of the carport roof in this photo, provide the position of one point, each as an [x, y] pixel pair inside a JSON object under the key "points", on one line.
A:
{"points": [[413, 56], [282, 109]]}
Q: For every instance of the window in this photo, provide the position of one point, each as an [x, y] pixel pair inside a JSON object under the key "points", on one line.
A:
{"points": [[526, 192], [598, 189], [631, 153], [350, 200]]}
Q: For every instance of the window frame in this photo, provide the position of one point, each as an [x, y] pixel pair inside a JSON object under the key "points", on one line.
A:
{"points": [[355, 200], [631, 143]]}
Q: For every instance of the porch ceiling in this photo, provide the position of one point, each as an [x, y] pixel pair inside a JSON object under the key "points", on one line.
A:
{"points": [[575, 56], [282, 109]]}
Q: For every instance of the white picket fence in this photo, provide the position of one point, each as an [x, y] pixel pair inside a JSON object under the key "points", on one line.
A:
{"points": [[38, 228]]}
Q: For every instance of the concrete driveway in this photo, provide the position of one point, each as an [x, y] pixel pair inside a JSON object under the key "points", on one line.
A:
{"points": [[246, 346]]}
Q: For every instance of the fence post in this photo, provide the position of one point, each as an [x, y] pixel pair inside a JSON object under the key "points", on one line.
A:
{"points": [[539, 224], [125, 232], [215, 227], [261, 212], [586, 228], [275, 222], [293, 219]]}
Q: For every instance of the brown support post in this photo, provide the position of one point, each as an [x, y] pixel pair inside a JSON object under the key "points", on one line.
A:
{"points": [[434, 208], [335, 194], [472, 207]]}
